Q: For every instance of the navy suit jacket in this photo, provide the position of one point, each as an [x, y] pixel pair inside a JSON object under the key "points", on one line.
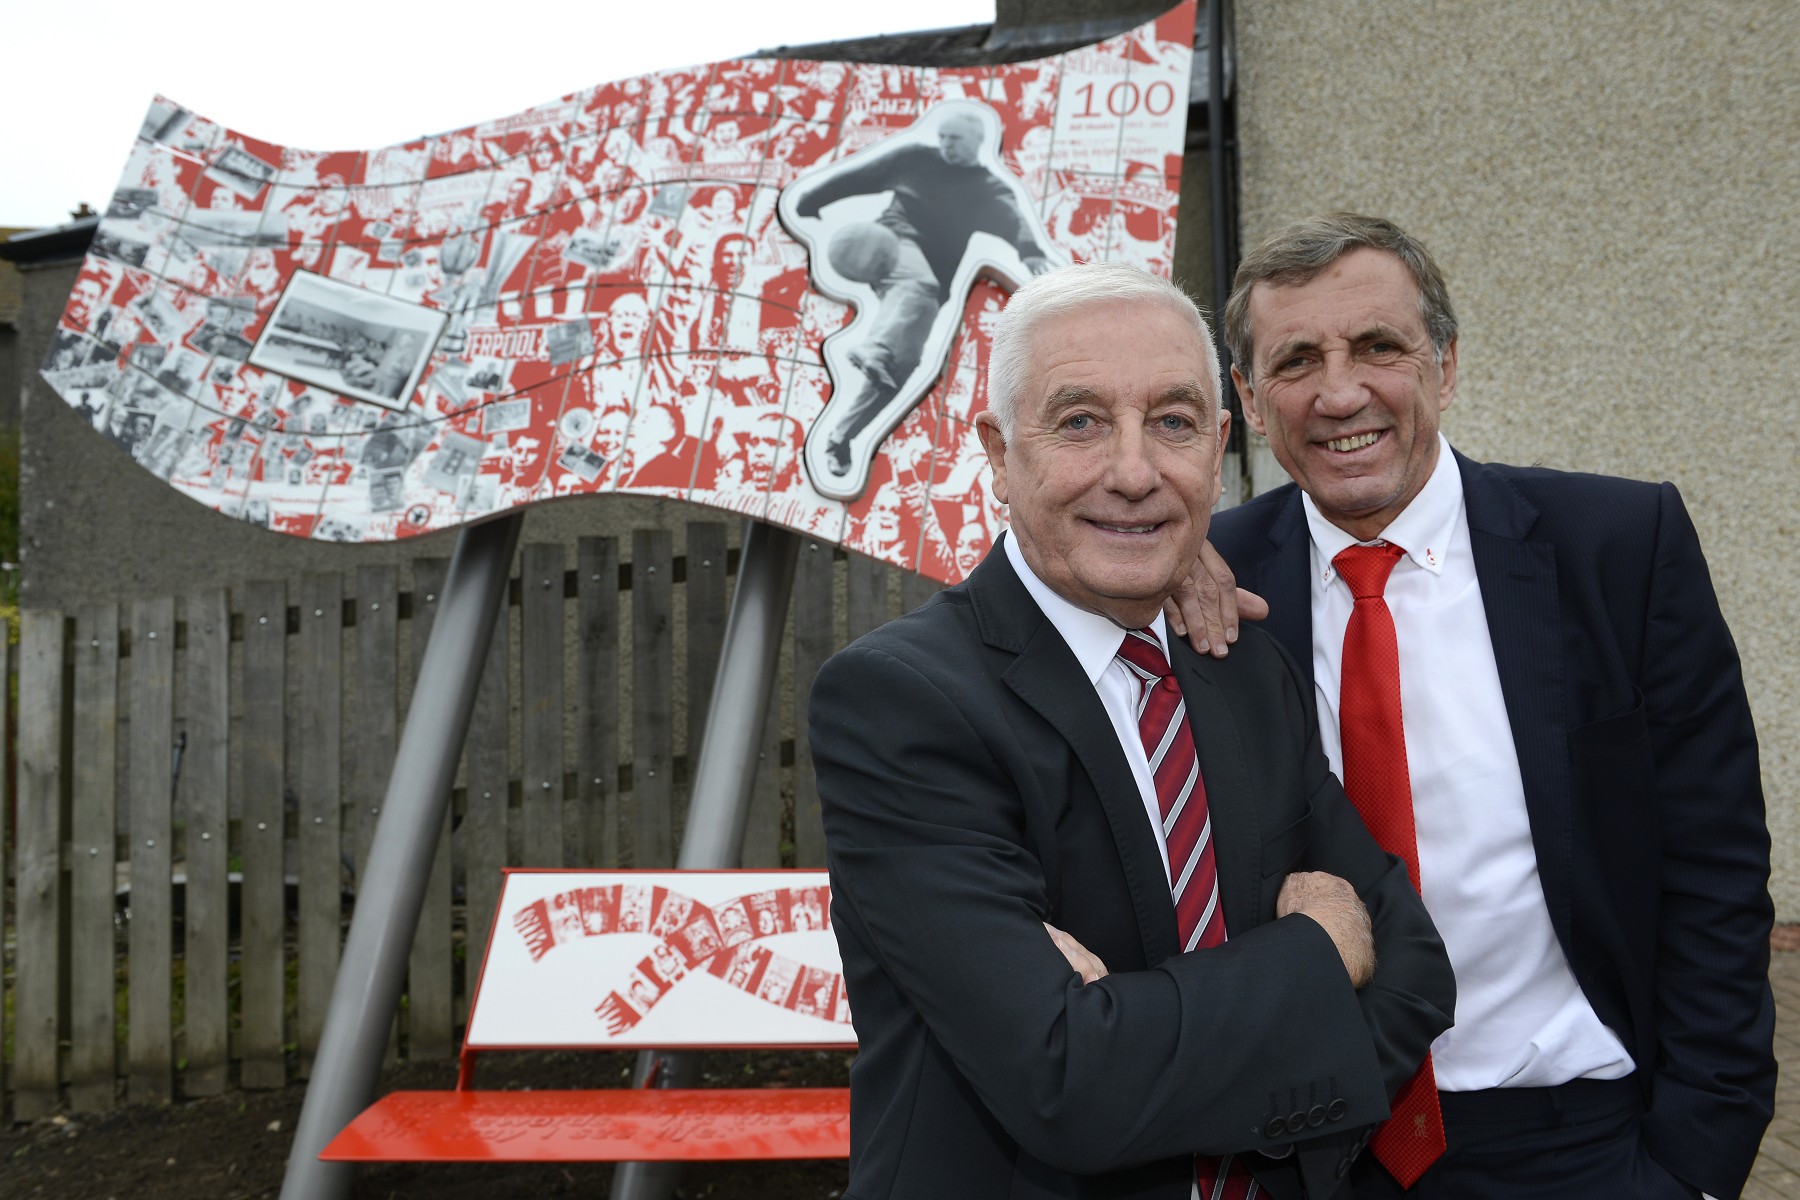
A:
{"points": [[972, 787], [1634, 737]]}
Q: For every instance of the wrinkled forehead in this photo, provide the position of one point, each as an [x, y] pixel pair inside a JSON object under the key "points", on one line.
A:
{"points": [[1361, 291], [1181, 362]]}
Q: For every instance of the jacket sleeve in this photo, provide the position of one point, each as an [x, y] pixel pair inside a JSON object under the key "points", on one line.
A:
{"points": [[869, 173], [1713, 1091], [934, 875]]}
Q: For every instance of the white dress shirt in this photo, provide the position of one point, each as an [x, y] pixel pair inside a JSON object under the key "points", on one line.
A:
{"points": [[1521, 1019], [1095, 641]]}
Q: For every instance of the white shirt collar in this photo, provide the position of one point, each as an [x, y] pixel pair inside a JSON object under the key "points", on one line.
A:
{"points": [[1094, 639], [1423, 529]]}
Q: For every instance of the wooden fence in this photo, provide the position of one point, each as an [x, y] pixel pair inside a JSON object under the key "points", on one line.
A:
{"points": [[199, 778]]}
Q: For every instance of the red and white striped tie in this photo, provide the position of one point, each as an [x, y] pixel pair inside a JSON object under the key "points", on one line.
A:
{"points": [[1187, 832]]}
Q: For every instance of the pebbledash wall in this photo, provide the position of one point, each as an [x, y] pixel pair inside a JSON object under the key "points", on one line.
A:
{"points": [[1613, 189]]}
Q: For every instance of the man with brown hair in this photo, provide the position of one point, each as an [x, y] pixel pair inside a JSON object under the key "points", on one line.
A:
{"points": [[1525, 681]]}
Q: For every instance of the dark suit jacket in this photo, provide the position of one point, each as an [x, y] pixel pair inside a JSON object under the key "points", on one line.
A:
{"points": [[972, 788], [1634, 738]]}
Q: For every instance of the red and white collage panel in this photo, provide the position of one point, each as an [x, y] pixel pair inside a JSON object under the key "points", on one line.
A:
{"points": [[596, 295], [662, 958]]}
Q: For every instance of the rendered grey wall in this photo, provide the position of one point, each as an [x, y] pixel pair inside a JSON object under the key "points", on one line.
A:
{"points": [[1613, 189]]}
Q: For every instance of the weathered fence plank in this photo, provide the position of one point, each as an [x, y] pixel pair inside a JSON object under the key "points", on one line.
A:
{"points": [[541, 704], [373, 734], [6, 840], [201, 800], [916, 589], [762, 828], [653, 689], [93, 825], [38, 846], [428, 1007], [865, 594], [815, 637], [149, 788], [597, 703], [262, 959], [318, 745], [303, 827], [705, 590], [487, 778]]}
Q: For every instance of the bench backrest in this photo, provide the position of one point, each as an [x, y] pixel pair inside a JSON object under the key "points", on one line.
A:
{"points": [[636, 959]]}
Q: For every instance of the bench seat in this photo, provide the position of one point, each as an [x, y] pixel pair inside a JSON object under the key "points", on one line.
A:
{"points": [[603, 1125], [637, 960]]}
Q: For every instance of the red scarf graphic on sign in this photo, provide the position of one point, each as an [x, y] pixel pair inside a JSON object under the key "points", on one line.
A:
{"points": [[692, 936]]}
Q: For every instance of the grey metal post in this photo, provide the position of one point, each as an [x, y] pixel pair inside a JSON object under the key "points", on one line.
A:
{"points": [[723, 776], [367, 991]]}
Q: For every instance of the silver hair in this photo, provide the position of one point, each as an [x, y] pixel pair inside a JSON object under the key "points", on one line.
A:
{"points": [[1067, 290]]}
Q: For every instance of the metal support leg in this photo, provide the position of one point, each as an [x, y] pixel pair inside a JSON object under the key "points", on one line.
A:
{"points": [[367, 991], [723, 776]]}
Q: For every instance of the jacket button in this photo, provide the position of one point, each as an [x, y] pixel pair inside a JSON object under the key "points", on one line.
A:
{"points": [[1315, 1116], [1336, 1110], [1296, 1121], [1275, 1128]]}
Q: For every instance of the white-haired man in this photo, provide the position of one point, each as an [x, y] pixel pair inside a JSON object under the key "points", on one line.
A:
{"points": [[1030, 749]]}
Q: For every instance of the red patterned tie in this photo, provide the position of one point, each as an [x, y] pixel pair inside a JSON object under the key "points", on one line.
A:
{"points": [[1376, 778], [1187, 831]]}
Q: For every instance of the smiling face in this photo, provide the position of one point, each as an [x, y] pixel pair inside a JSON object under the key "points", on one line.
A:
{"points": [[728, 261], [83, 301], [1113, 466], [883, 521], [1347, 387]]}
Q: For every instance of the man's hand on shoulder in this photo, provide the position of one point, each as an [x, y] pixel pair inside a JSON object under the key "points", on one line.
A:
{"points": [[1334, 904], [1207, 605]]}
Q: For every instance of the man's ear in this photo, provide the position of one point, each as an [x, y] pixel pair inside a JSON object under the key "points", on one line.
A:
{"points": [[1247, 398], [1218, 476], [1447, 364], [987, 428]]}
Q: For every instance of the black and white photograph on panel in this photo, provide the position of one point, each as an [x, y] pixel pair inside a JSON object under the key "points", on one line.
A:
{"points": [[900, 230], [352, 341], [241, 171]]}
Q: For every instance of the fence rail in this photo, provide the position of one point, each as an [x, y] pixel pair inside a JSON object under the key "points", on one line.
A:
{"points": [[199, 778]]}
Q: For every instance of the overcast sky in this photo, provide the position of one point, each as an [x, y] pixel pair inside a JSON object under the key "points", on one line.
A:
{"points": [[343, 75]]}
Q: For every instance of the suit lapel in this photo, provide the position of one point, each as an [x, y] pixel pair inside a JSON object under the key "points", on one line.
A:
{"points": [[1230, 799], [1524, 616], [1046, 676], [1281, 576]]}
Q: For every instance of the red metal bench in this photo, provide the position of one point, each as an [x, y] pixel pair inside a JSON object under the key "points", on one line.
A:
{"points": [[630, 960]]}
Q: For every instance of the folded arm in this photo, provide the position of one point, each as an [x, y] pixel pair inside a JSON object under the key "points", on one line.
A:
{"points": [[931, 852]]}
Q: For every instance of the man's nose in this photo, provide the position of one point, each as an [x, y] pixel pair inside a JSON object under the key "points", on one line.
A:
{"points": [[1341, 391], [1131, 469]]}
